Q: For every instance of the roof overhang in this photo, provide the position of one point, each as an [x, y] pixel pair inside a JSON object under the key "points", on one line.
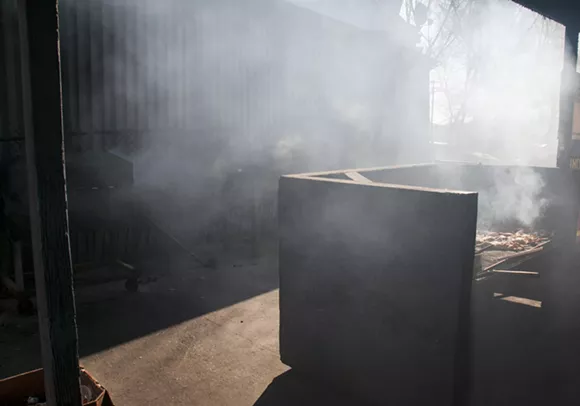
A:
{"points": [[566, 12]]}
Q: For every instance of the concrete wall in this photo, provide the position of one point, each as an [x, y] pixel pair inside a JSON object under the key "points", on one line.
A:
{"points": [[375, 287], [508, 194]]}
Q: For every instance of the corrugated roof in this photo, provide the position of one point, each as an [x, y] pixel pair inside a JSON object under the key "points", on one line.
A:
{"points": [[370, 14]]}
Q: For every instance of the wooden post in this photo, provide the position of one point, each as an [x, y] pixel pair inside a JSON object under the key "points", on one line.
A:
{"points": [[568, 90], [42, 106]]}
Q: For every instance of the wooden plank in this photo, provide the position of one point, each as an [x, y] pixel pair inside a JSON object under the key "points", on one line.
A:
{"points": [[521, 300], [505, 272], [525, 255], [529, 287], [42, 106], [357, 177]]}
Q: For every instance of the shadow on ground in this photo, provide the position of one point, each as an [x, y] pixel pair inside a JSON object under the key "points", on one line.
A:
{"points": [[189, 295], [291, 389], [108, 316], [518, 351]]}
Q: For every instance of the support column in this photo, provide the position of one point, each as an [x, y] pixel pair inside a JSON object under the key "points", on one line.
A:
{"points": [[561, 303], [568, 96], [48, 202]]}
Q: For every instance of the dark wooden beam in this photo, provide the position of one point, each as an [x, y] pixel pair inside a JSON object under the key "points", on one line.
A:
{"points": [[48, 202], [566, 12]]}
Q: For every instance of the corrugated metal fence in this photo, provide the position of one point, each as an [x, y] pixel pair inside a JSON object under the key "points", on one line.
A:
{"points": [[137, 67], [142, 72], [137, 72], [141, 66]]}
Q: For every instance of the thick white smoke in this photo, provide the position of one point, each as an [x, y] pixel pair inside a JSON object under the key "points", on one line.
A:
{"points": [[265, 87]]}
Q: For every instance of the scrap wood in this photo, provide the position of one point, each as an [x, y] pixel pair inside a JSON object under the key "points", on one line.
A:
{"points": [[357, 177], [506, 259], [510, 272], [514, 241], [482, 249], [522, 301], [524, 254], [537, 248], [126, 265]]}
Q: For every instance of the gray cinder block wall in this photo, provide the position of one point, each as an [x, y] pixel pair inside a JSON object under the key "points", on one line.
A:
{"points": [[375, 286]]}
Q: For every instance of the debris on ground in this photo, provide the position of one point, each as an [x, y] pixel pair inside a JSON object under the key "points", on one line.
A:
{"points": [[86, 394], [516, 241]]}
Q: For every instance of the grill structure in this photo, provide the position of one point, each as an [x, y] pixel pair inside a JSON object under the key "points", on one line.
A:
{"points": [[376, 272]]}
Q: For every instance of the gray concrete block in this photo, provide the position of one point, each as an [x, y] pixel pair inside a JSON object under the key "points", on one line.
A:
{"points": [[375, 287]]}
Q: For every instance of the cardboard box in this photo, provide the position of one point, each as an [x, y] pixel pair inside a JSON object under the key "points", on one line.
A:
{"points": [[16, 389]]}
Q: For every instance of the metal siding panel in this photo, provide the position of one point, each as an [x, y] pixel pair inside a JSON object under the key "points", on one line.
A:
{"points": [[155, 60], [170, 76], [96, 62], [13, 94], [69, 23], [108, 72], [4, 123], [148, 70], [83, 68], [120, 63], [129, 65], [65, 34], [166, 79], [139, 80], [181, 75]]}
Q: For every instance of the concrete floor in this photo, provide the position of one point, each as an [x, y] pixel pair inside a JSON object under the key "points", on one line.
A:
{"points": [[210, 337], [198, 337]]}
